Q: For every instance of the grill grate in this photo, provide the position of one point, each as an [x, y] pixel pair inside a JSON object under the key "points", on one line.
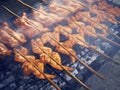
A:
{"points": [[11, 71]]}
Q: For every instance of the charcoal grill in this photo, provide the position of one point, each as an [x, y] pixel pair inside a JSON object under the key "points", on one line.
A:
{"points": [[11, 74]]}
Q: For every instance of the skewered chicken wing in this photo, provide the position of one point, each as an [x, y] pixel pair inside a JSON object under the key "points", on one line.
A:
{"points": [[83, 15], [73, 23], [65, 30], [38, 48], [57, 10], [4, 50], [29, 27], [19, 58], [47, 60], [78, 39], [101, 15], [19, 36], [73, 4], [31, 65], [46, 38], [66, 51], [8, 39], [109, 8], [29, 68], [46, 18]]}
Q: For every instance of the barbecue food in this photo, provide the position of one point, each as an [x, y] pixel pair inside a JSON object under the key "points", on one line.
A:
{"points": [[29, 27], [83, 16], [19, 36], [73, 4], [54, 8], [28, 68], [38, 47], [46, 37], [46, 18], [101, 15], [4, 50], [65, 30], [67, 51], [73, 23], [109, 8], [51, 61], [11, 37], [44, 58], [30, 65], [102, 27]]}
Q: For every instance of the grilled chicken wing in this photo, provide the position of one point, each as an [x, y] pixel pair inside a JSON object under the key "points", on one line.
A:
{"points": [[66, 51], [73, 4], [51, 61], [30, 64], [29, 68], [54, 8], [46, 18], [38, 48], [73, 23], [8, 39], [65, 30], [46, 37], [29, 27], [19, 36], [4, 50]]}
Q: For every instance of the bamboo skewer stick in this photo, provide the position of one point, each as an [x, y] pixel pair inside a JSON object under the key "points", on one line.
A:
{"points": [[49, 80], [33, 8], [84, 64], [68, 72], [20, 17], [75, 23], [38, 10]]}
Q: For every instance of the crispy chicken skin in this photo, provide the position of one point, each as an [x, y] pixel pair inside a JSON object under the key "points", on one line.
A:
{"points": [[31, 65], [73, 4], [8, 39], [54, 8], [38, 48], [46, 18], [55, 56], [4, 50], [46, 37], [19, 36], [29, 27], [65, 30], [66, 51], [28, 68]]}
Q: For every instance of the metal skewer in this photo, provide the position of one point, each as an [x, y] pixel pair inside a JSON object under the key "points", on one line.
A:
{"points": [[49, 80], [68, 72]]}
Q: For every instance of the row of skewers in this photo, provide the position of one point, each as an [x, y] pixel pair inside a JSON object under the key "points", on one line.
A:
{"points": [[40, 25]]}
